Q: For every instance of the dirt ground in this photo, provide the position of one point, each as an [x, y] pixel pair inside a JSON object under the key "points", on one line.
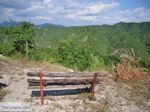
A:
{"points": [[111, 95]]}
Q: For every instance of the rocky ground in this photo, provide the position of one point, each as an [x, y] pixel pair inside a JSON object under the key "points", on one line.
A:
{"points": [[111, 95]]}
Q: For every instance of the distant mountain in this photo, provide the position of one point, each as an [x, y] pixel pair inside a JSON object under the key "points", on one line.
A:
{"points": [[9, 23], [14, 23], [103, 39], [49, 25]]}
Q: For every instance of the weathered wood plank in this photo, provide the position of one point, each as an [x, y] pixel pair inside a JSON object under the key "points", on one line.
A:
{"points": [[59, 81], [71, 74], [55, 78]]}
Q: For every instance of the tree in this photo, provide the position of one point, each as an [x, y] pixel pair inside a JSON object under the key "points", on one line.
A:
{"points": [[148, 45], [73, 55], [24, 41]]}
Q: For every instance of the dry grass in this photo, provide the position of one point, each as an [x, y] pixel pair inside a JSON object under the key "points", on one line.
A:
{"points": [[129, 70], [2, 93], [40, 65], [47, 66]]}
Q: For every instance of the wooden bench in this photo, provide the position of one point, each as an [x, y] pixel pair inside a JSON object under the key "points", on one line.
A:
{"points": [[49, 81]]}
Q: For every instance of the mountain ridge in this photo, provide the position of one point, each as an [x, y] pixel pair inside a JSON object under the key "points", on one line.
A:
{"points": [[17, 23]]}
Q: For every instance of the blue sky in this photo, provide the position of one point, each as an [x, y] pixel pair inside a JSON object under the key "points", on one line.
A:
{"points": [[75, 12]]}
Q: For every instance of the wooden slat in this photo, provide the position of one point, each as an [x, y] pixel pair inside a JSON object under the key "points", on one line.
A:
{"points": [[59, 81], [56, 78], [71, 74]]}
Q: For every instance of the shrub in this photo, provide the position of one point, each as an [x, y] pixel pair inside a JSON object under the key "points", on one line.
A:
{"points": [[115, 59], [6, 50], [98, 63], [2, 93], [73, 55], [24, 41], [129, 70]]}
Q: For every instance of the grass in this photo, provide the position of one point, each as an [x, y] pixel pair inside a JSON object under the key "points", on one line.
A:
{"points": [[2, 94], [148, 70], [41, 65]]}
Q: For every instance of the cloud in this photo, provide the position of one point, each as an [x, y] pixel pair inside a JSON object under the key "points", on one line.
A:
{"points": [[77, 17], [100, 7], [138, 14], [6, 13], [77, 12], [47, 1], [89, 12]]}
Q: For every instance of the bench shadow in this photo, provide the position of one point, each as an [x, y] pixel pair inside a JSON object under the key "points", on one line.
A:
{"points": [[3, 85], [60, 92]]}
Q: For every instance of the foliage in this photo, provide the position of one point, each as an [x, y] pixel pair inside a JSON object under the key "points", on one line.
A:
{"points": [[41, 55], [129, 70], [98, 63], [24, 38], [6, 50], [73, 55], [84, 47], [2, 93]]}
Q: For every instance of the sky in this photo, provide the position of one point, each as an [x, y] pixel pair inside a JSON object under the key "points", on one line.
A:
{"points": [[75, 12]]}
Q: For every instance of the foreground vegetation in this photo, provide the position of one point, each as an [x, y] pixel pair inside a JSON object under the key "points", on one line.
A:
{"points": [[80, 48], [2, 93]]}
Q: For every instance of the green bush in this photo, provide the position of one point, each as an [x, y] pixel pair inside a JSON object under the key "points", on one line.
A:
{"points": [[24, 41], [98, 63], [6, 50], [39, 55], [73, 55], [115, 59], [2, 93]]}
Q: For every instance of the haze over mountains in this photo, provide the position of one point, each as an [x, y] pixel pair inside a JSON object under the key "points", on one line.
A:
{"points": [[15, 23], [11, 22]]}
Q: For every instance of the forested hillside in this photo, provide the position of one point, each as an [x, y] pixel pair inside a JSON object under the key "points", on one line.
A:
{"points": [[82, 48]]}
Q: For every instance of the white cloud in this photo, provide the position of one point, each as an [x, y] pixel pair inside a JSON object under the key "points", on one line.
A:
{"points": [[6, 13], [75, 11], [99, 7], [35, 7], [41, 18], [135, 15], [77, 17], [88, 12], [47, 1]]}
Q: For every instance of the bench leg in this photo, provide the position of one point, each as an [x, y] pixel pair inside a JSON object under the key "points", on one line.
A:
{"points": [[41, 88], [94, 84]]}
